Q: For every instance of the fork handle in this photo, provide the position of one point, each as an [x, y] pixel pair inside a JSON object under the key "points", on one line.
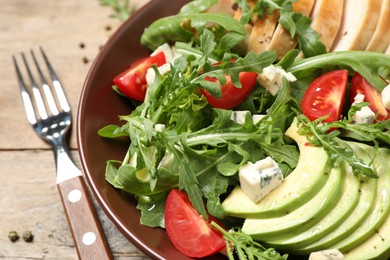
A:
{"points": [[86, 230]]}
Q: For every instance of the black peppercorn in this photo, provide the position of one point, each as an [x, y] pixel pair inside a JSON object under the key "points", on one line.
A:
{"points": [[13, 236]]}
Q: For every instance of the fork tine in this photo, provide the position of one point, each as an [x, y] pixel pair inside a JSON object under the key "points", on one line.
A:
{"points": [[46, 89], [57, 84], [28, 106], [36, 92]]}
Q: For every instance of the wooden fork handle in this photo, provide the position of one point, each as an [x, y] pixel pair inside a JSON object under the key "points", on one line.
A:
{"points": [[86, 230]]}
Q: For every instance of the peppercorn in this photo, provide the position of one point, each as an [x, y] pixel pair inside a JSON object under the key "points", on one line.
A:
{"points": [[13, 235], [28, 236]]}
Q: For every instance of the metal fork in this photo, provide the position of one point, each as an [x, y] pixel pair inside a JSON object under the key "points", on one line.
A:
{"points": [[52, 125]]}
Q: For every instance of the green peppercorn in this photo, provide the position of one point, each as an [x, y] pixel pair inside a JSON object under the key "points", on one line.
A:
{"points": [[28, 236], [13, 235]]}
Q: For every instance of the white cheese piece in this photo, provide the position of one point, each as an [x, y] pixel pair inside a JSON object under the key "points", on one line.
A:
{"points": [[170, 53], [386, 97], [330, 254], [239, 116], [166, 48], [159, 127], [151, 74], [365, 115], [259, 179], [271, 78], [257, 118]]}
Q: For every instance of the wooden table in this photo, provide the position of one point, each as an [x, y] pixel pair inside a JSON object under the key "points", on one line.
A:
{"points": [[71, 32]]}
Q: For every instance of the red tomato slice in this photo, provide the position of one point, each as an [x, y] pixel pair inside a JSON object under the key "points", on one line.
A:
{"points": [[360, 85], [189, 232], [325, 96], [231, 95], [132, 82]]}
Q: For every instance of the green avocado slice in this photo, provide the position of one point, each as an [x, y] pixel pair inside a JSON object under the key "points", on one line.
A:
{"points": [[301, 218], [300, 186], [368, 191], [378, 245], [347, 203], [381, 208]]}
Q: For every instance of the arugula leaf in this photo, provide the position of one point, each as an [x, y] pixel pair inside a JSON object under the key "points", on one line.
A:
{"points": [[181, 28], [245, 247], [318, 134], [121, 8], [367, 64]]}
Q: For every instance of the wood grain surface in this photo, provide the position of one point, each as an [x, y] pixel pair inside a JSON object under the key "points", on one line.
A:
{"points": [[71, 32]]}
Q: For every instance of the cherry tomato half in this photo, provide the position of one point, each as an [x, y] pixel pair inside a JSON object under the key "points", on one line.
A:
{"points": [[325, 96], [189, 232], [132, 82], [360, 85], [231, 95]]}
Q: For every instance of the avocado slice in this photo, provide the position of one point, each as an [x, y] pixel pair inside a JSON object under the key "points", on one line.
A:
{"points": [[304, 182], [303, 217], [346, 204], [368, 188], [382, 203]]}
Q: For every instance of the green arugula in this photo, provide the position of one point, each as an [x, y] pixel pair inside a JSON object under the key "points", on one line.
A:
{"points": [[204, 145], [245, 247], [121, 8], [367, 64]]}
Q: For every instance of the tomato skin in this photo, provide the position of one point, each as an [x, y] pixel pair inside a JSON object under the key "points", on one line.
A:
{"points": [[360, 85], [132, 82], [231, 95], [325, 96], [189, 232]]}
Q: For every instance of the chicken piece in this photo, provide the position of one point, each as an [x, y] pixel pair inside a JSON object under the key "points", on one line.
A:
{"points": [[326, 16], [281, 40], [381, 37], [359, 21], [262, 32]]}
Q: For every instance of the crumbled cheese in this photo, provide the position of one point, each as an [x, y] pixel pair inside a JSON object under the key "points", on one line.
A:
{"points": [[330, 254], [159, 127], [386, 97], [271, 78], [257, 118], [170, 54], [365, 115], [151, 73], [239, 117], [166, 48], [259, 179]]}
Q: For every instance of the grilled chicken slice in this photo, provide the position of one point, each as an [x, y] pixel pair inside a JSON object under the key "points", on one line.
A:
{"points": [[381, 37], [326, 16], [262, 32], [360, 18], [281, 40]]}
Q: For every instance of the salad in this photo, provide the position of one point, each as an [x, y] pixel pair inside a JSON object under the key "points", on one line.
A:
{"points": [[256, 153]]}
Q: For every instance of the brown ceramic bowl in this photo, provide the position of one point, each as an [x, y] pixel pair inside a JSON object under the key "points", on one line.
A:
{"points": [[99, 106]]}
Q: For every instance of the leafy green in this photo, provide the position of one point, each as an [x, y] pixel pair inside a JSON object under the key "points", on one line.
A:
{"points": [[121, 8], [245, 247], [204, 145], [189, 26], [338, 149], [368, 64]]}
